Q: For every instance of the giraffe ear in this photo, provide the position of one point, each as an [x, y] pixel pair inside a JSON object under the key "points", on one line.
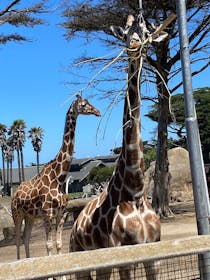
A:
{"points": [[130, 20], [118, 32]]}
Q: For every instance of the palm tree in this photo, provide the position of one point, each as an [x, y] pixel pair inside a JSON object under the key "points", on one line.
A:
{"points": [[10, 157], [17, 131], [3, 130], [36, 134]]}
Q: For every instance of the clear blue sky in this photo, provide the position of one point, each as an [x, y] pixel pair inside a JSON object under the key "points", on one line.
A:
{"points": [[33, 88]]}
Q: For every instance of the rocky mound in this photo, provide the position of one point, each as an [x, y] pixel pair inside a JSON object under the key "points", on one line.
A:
{"points": [[6, 226], [179, 168]]}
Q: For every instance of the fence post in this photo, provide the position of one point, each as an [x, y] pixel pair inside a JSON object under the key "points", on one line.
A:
{"points": [[200, 190]]}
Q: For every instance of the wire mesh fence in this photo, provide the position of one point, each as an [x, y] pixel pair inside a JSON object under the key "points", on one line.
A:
{"points": [[182, 267], [166, 260]]}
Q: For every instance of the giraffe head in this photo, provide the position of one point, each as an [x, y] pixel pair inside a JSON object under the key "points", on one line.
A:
{"points": [[135, 33], [83, 107]]}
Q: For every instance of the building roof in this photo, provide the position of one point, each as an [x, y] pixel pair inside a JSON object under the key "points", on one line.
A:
{"points": [[29, 172], [83, 173], [80, 161], [110, 158], [84, 167]]}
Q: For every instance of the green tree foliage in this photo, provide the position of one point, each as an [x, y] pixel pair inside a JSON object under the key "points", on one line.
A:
{"points": [[36, 134], [18, 138], [13, 138], [15, 14], [3, 130], [150, 153], [177, 118], [202, 104], [100, 174]]}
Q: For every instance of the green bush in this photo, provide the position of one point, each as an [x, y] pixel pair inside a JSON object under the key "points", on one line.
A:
{"points": [[100, 174]]}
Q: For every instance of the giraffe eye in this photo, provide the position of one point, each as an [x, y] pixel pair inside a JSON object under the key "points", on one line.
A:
{"points": [[135, 39]]}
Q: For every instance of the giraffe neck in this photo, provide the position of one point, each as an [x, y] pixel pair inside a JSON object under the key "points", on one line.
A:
{"points": [[131, 116], [62, 162], [131, 162], [66, 151]]}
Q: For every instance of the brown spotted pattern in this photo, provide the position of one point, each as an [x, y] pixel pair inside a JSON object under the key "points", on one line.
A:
{"points": [[42, 196], [121, 215]]}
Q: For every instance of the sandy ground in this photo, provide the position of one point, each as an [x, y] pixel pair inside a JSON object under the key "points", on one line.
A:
{"points": [[183, 224]]}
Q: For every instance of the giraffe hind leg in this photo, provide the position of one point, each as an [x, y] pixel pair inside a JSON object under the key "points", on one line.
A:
{"points": [[29, 221]]}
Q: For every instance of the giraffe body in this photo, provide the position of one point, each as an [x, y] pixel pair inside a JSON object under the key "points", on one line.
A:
{"points": [[122, 215], [42, 196], [124, 223]]}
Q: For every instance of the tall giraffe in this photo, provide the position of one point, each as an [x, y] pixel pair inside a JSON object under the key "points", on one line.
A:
{"points": [[42, 196], [122, 215]]}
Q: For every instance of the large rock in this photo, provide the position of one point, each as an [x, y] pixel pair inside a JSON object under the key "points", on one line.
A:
{"points": [[5, 217], [179, 168], [6, 226]]}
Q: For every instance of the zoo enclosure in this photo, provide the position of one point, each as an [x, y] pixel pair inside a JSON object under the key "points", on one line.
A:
{"points": [[178, 259]]}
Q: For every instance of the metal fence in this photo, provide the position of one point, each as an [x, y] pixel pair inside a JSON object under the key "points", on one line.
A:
{"points": [[168, 260]]}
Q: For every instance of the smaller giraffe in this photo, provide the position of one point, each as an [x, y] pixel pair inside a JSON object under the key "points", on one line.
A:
{"points": [[42, 196]]}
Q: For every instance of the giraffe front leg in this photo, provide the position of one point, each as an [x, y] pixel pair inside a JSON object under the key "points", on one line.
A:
{"points": [[85, 275], [18, 224], [126, 272], [49, 239], [59, 230], [152, 269]]}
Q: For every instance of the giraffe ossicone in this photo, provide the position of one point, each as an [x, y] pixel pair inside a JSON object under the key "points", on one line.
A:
{"points": [[42, 196]]}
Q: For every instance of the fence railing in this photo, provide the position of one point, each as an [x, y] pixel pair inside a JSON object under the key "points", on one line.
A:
{"points": [[69, 264]]}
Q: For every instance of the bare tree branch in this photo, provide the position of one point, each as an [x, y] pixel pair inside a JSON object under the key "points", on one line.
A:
{"points": [[193, 74], [6, 10], [20, 17]]}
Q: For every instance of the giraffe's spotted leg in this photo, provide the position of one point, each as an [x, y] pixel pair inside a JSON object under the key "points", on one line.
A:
{"points": [[29, 221], [49, 238], [126, 272], [85, 275], [152, 270], [18, 223], [59, 229]]}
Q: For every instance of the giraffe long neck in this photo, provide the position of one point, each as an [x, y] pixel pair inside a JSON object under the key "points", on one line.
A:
{"points": [[131, 116], [64, 157], [67, 147], [131, 158]]}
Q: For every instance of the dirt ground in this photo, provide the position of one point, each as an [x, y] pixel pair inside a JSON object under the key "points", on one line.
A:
{"points": [[183, 224]]}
